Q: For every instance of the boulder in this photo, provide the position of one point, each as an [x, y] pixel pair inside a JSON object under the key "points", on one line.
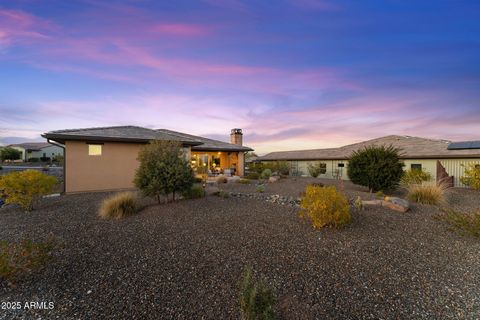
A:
{"points": [[273, 179], [233, 179], [393, 203]]}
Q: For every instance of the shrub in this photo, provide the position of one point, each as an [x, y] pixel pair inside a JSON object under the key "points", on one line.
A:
{"points": [[59, 159], [222, 179], [316, 169], [1, 168], [194, 192], [118, 206], [222, 194], [22, 258], [471, 176], [44, 159], [282, 167], [358, 203], [429, 194], [26, 187], [244, 181], [415, 176], [462, 222], [163, 170], [34, 160], [198, 180], [266, 174], [380, 194], [256, 298], [253, 175], [325, 206], [378, 168], [260, 188], [9, 153]]}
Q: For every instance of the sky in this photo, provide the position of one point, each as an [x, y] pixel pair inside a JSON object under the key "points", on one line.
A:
{"points": [[293, 74]]}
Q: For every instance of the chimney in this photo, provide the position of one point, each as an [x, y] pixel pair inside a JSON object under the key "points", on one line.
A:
{"points": [[236, 136]]}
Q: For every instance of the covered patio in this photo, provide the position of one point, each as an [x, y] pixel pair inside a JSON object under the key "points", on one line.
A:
{"points": [[213, 163]]}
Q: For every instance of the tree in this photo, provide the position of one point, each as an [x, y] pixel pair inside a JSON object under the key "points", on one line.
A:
{"points": [[25, 187], [163, 170], [316, 169], [377, 167], [471, 176], [9, 153]]}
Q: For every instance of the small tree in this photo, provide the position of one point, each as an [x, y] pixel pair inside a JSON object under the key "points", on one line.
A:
{"points": [[376, 167], [471, 176], [25, 187], [163, 170], [316, 169], [9, 153]]}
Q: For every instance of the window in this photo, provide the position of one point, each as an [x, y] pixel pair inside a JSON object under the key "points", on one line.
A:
{"points": [[416, 166], [341, 165], [94, 149]]}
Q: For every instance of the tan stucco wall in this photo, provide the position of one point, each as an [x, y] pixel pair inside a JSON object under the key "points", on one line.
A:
{"points": [[113, 170]]}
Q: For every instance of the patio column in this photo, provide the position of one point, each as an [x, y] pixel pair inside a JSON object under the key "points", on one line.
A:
{"points": [[241, 164]]}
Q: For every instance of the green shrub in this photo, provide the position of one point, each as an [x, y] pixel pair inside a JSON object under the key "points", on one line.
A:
{"points": [[198, 180], [194, 192], [23, 258], [281, 167], [44, 159], [222, 179], [266, 174], [253, 175], [380, 194], [9, 153], [1, 168], [462, 222], [222, 194], [428, 194], [415, 176], [59, 159], [244, 181], [471, 176], [163, 170], [378, 168], [34, 160], [26, 187], [358, 203], [118, 206], [316, 169], [256, 298], [325, 207], [260, 188]]}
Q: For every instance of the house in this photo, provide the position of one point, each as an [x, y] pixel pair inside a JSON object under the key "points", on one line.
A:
{"points": [[37, 150], [443, 159], [100, 159]]}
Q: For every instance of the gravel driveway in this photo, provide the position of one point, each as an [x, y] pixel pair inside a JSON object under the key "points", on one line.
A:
{"points": [[184, 260]]}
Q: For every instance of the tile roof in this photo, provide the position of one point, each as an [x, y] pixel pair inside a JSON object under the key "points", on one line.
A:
{"points": [[411, 147], [33, 146]]}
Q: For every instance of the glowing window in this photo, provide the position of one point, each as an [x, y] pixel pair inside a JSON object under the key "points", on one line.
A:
{"points": [[94, 149]]}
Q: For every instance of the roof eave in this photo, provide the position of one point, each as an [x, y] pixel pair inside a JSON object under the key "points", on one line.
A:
{"points": [[61, 138]]}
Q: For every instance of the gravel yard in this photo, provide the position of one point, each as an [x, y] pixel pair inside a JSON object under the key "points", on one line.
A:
{"points": [[184, 260]]}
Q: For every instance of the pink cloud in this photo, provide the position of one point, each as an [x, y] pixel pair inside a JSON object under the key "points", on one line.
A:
{"points": [[181, 29], [18, 26]]}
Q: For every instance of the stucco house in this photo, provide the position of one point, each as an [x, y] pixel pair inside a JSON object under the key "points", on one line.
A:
{"points": [[443, 159], [100, 159], [37, 150]]}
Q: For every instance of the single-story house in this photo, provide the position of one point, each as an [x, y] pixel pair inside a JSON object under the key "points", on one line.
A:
{"points": [[443, 159], [101, 159], [37, 150]]}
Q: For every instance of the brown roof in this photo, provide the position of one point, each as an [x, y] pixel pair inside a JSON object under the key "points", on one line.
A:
{"points": [[411, 147], [32, 146]]}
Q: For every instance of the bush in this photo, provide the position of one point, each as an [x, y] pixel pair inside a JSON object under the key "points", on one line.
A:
{"points": [[380, 194], [325, 207], [59, 159], [260, 188], [256, 298], [316, 169], [253, 175], [222, 179], [244, 181], [26, 187], [378, 168], [1, 168], [194, 192], [198, 180], [22, 258], [415, 176], [34, 160], [471, 176], [462, 222], [266, 174], [429, 194], [163, 170], [44, 159], [222, 194], [282, 167], [118, 206], [9, 153]]}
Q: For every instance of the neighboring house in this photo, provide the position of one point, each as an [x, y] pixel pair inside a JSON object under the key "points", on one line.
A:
{"points": [[443, 159], [98, 159], [37, 150]]}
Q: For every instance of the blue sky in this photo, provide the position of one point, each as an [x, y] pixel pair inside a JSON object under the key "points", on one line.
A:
{"points": [[292, 74]]}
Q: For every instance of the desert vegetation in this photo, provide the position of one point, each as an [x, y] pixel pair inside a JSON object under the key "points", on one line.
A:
{"points": [[256, 298], [316, 169], [471, 176], [119, 206]]}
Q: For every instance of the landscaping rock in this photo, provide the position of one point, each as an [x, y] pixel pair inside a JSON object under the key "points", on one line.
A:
{"points": [[398, 204], [273, 179]]}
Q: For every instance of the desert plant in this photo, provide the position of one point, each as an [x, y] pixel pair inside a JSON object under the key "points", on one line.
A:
{"points": [[222, 194], [471, 176], [380, 194], [222, 179], [427, 194], [266, 174], [194, 192], [253, 175], [244, 181], [163, 170], [23, 258], [415, 176], [118, 206], [281, 167], [464, 223], [9, 153], [260, 188], [316, 169], [26, 187], [325, 206], [59, 159], [256, 298], [358, 203], [34, 159], [376, 167]]}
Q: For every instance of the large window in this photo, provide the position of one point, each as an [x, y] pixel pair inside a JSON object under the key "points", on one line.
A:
{"points": [[94, 149]]}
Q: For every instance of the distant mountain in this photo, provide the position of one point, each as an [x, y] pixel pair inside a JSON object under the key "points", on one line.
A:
{"points": [[4, 141]]}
